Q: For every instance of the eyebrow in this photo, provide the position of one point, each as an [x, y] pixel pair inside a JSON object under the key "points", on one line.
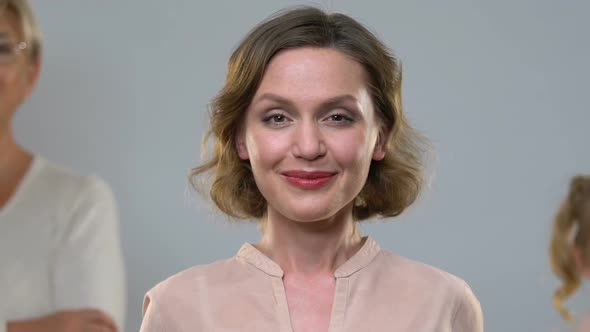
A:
{"points": [[331, 102]]}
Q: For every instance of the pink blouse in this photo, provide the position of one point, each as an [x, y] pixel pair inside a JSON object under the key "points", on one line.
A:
{"points": [[584, 324], [375, 291]]}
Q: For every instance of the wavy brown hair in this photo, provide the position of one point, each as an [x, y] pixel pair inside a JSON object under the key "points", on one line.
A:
{"points": [[392, 184], [571, 229]]}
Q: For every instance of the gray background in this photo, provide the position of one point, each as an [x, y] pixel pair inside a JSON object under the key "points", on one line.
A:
{"points": [[500, 87]]}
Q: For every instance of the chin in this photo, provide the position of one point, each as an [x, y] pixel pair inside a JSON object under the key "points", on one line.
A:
{"points": [[308, 217], [308, 208], [309, 214]]}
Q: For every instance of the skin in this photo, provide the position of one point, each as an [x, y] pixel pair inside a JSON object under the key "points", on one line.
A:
{"points": [[311, 112], [17, 80], [86, 320]]}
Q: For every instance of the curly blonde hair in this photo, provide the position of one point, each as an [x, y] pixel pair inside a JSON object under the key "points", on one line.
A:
{"points": [[571, 229], [393, 183]]}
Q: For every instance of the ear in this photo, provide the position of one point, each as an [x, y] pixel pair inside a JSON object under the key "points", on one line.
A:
{"points": [[381, 145], [581, 263], [241, 148]]}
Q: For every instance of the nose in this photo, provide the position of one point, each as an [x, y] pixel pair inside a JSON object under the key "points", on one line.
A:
{"points": [[308, 142]]}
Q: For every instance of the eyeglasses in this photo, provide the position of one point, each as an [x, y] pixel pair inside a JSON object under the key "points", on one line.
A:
{"points": [[10, 51]]}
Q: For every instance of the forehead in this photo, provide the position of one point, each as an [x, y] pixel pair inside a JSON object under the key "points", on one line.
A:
{"points": [[313, 70]]}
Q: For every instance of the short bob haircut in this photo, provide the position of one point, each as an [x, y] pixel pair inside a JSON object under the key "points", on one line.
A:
{"points": [[27, 26], [393, 183]]}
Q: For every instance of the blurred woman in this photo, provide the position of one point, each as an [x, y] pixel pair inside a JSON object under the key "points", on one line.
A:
{"points": [[570, 245], [61, 267]]}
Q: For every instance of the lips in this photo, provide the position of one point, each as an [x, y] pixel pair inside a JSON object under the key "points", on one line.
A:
{"points": [[308, 180]]}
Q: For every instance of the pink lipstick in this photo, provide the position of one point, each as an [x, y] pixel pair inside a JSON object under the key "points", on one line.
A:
{"points": [[308, 180]]}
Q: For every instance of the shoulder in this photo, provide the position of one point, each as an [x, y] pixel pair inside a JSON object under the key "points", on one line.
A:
{"points": [[190, 297], [64, 187], [181, 298], [79, 207], [196, 280], [435, 286], [418, 272], [584, 324]]}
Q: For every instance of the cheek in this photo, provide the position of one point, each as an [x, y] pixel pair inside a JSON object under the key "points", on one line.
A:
{"points": [[12, 75], [11, 89], [265, 147], [5, 80], [10, 80], [354, 148]]}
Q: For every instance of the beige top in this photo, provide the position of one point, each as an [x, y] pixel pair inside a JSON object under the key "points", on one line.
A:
{"points": [[375, 291], [584, 324]]}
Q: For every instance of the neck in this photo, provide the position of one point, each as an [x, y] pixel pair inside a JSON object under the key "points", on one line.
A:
{"points": [[13, 158], [317, 247]]}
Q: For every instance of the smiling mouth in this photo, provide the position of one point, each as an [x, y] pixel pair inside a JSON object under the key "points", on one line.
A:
{"points": [[309, 180]]}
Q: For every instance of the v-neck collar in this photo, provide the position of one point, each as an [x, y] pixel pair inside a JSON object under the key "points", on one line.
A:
{"points": [[32, 170], [357, 262]]}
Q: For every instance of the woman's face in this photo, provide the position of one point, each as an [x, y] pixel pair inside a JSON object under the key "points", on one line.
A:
{"points": [[17, 73], [311, 133]]}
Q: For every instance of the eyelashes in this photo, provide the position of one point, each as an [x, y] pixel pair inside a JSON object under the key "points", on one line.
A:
{"points": [[336, 118], [341, 117], [6, 48], [275, 118]]}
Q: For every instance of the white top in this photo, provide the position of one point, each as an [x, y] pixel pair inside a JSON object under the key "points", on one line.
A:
{"points": [[60, 247]]}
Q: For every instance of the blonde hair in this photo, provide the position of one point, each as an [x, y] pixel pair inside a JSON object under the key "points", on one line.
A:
{"points": [[571, 229], [392, 184], [27, 25]]}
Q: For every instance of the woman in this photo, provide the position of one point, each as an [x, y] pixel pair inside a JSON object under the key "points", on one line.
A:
{"points": [[310, 139], [570, 245], [61, 266]]}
